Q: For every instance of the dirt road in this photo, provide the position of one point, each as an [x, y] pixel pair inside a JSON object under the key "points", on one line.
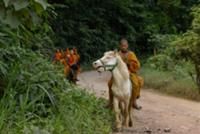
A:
{"points": [[160, 114]]}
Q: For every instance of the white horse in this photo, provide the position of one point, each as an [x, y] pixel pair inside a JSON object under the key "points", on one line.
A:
{"points": [[121, 87]]}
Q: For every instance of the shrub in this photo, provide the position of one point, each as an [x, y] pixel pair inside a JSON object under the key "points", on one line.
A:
{"points": [[170, 83], [37, 98]]}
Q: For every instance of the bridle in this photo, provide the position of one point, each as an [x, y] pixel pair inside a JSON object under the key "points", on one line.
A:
{"points": [[105, 66]]}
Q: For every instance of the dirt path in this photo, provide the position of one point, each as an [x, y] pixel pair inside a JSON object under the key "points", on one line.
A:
{"points": [[160, 114]]}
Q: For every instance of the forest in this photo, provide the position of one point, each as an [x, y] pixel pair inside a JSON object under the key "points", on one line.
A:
{"points": [[36, 98]]}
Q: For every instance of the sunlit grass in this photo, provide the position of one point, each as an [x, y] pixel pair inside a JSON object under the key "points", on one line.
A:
{"points": [[170, 83]]}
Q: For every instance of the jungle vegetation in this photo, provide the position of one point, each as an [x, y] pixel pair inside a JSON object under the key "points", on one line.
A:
{"points": [[35, 97]]}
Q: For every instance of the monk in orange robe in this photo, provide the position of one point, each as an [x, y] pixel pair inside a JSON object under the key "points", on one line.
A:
{"points": [[58, 56], [77, 60], [133, 65], [67, 53]]}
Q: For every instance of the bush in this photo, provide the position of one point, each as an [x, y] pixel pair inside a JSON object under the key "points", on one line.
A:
{"points": [[97, 25], [187, 46], [37, 98], [170, 82]]}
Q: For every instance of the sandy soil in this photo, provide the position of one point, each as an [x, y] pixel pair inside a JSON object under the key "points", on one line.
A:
{"points": [[160, 114]]}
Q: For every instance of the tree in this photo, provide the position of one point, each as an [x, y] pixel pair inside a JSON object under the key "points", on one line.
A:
{"points": [[188, 46], [98, 24]]}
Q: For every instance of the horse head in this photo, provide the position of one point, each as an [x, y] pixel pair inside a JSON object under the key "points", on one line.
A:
{"points": [[106, 63]]}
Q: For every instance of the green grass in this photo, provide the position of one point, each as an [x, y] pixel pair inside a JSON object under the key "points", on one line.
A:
{"points": [[36, 98], [76, 112], [170, 83]]}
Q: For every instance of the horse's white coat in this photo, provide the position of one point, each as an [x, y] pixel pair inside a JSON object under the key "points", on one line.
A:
{"points": [[121, 86]]}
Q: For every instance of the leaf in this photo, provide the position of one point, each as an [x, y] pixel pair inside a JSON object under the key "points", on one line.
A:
{"points": [[2, 34], [18, 5], [35, 18], [12, 20], [2, 12], [48, 94], [43, 3], [6, 2], [3, 68]]}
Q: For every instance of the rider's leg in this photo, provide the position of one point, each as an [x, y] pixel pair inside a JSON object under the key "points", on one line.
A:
{"points": [[141, 83], [135, 91]]}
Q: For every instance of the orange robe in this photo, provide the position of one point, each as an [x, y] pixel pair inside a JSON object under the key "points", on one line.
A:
{"points": [[71, 60], [58, 56], [66, 67], [133, 66]]}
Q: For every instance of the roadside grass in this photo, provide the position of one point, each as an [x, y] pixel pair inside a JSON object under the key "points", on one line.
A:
{"points": [[77, 112], [170, 83], [84, 113], [37, 99]]}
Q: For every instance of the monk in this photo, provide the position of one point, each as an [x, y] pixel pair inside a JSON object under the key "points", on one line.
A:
{"points": [[66, 67], [67, 53], [77, 60], [75, 66], [58, 55], [133, 65], [76, 55]]}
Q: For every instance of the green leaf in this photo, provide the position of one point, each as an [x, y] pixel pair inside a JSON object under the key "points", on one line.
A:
{"points": [[48, 94], [2, 13], [43, 3], [35, 18], [6, 2], [12, 20], [2, 34], [18, 5]]}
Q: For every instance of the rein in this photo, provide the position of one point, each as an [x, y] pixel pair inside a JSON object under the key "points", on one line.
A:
{"points": [[112, 66]]}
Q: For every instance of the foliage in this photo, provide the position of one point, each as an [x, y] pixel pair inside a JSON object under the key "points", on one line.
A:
{"points": [[161, 42], [174, 83], [29, 13], [165, 55], [26, 24], [97, 25], [188, 46], [35, 97]]}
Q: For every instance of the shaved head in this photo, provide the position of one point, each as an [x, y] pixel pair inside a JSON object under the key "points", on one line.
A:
{"points": [[123, 44]]}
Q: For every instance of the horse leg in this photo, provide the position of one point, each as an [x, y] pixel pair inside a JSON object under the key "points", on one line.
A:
{"points": [[122, 109], [126, 113], [117, 113], [130, 110], [110, 103]]}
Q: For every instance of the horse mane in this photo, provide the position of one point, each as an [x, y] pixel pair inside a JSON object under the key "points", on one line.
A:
{"points": [[122, 67]]}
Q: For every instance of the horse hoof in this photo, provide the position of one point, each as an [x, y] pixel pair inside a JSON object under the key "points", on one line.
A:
{"points": [[118, 129], [130, 124]]}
